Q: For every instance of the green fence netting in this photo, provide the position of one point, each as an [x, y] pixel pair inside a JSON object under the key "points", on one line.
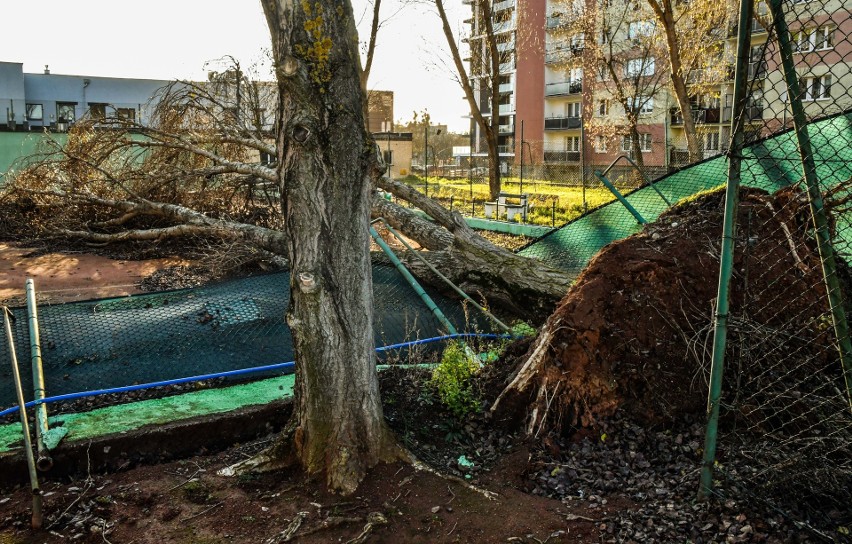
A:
{"points": [[772, 161], [231, 325]]}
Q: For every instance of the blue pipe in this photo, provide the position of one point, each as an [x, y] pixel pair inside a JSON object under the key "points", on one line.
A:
{"points": [[278, 366]]}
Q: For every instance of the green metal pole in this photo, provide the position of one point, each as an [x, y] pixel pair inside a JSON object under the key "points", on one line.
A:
{"points": [[446, 280], [620, 197], [439, 315], [823, 233], [720, 332]]}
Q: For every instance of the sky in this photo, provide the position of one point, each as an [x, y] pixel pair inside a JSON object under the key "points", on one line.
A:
{"points": [[177, 39]]}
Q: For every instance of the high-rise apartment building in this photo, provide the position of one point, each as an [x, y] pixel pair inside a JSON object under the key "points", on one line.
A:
{"points": [[558, 101]]}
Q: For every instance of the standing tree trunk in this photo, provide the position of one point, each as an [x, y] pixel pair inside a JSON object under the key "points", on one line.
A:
{"points": [[325, 159], [665, 16]]}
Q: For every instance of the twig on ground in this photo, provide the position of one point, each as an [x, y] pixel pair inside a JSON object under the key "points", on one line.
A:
{"points": [[218, 504], [373, 519], [287, 534]]}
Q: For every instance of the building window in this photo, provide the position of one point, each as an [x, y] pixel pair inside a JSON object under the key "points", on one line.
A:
{"points": [[641, 104], [711, 141], [638, 29], [35, 112], [97, 111], [572, 143], [126, 114], [644, 143], [639, 67], [66, 112], [387, 156], [603, 107], [573, 109], [600, 144], [814, 39], [817, 88]]}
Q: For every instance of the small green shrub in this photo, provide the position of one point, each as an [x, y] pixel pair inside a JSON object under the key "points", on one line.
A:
{"points": [[453, 380]]}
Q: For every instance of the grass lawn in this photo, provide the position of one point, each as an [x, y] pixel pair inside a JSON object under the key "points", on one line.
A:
{"points": [[549, 204]]}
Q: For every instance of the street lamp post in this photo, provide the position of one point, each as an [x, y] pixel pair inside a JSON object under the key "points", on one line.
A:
{"points": [[426, 156]]}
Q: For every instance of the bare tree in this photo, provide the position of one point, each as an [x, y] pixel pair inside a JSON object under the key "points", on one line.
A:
{"points": [[486, 58], [693, 36], [623, 61]]}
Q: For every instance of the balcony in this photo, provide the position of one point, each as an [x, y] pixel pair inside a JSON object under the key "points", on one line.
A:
{"points": [[505, 26], [507, 109], [507, 67], [756, 27], [753, 113], [561, 156], [561, 123], [563, 88], [563, 54], [505, 149], [506, 47], [700, 116], [506, 129], [506, 88], [500, 6]]}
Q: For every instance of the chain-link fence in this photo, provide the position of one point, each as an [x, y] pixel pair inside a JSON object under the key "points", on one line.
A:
{"points": [[785, 418], [232, 325]]}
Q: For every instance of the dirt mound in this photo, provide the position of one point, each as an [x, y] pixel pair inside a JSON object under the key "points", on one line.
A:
{"points": [[635, 331]]}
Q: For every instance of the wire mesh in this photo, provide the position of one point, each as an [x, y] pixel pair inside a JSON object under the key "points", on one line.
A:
{"points": [[786, 426], [231, 325]]}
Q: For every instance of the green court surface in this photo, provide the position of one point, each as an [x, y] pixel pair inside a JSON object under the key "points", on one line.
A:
{"points": [[135, 415], [770, 164]]}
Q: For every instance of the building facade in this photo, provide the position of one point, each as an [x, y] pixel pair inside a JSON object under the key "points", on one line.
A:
{"points": [[560, 109], [33, 102]]}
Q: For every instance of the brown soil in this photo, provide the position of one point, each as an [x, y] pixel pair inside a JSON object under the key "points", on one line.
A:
{"points": [[187, 502], [635, 330], [71, 276]]}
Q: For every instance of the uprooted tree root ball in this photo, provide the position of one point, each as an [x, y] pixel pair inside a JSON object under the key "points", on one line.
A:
{"points": [[635, 331]]}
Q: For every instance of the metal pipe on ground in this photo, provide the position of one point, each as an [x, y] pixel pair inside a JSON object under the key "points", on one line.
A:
{"points": [[37, 519], [46, 438], [439, 315], [445, 279]]}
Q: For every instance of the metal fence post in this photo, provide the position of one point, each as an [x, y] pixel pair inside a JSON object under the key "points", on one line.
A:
{"points": [[823, 233], [720, 332]]}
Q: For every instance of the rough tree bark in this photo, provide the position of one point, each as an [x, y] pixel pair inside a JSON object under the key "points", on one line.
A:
{"points": [[664, 11], [325, 159]]}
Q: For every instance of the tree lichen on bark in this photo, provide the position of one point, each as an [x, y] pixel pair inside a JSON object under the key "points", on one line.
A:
{"points": [[316, 54]]}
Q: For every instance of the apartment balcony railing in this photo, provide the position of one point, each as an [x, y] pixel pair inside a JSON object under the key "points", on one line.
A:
{"points": [[563, 54], [561, 156], [756, 27], [699, 116], [561, 123], [505, 149], [506, 129], [563, 88], [507, 109], [505, 26], [506, 87], [752, 113], [506, 46], [500, 6], [507, 67]]}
